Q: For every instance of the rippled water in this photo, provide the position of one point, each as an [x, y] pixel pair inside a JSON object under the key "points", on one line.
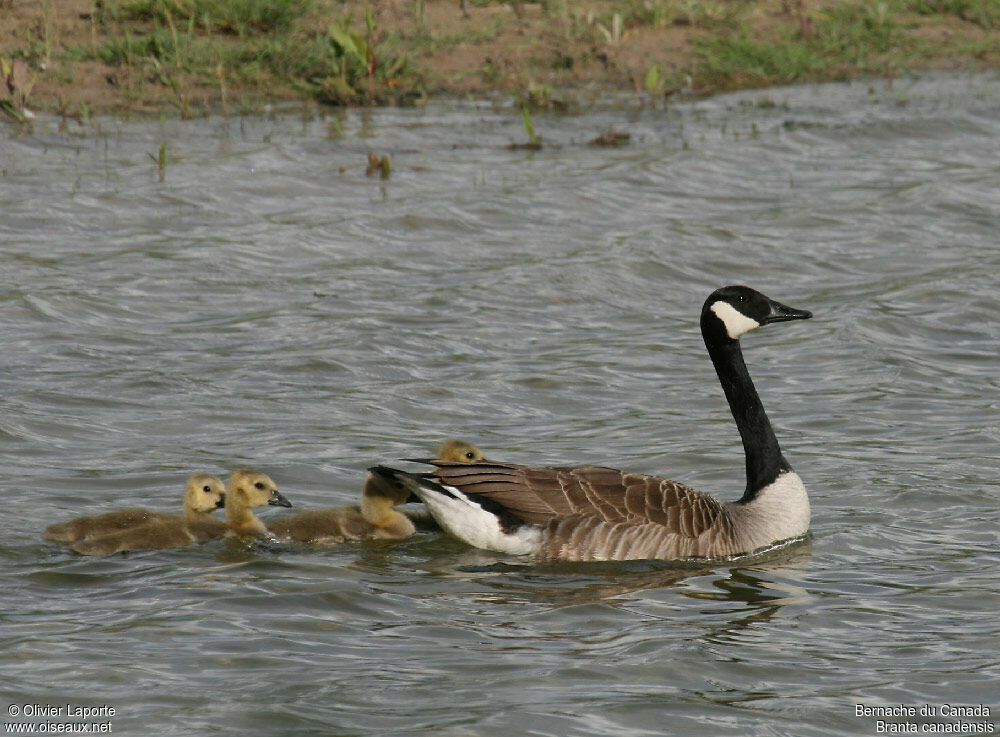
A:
{"points": [[268, 304]]}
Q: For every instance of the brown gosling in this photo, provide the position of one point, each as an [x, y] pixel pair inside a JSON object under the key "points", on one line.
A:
{"points": [[375, 518], [161, 533], [247, 489], [204, 494]]}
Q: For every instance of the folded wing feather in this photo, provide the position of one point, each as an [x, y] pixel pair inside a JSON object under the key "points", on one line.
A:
{"points": [[580, 506]]}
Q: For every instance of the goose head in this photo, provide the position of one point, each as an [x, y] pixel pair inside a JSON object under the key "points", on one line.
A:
{"points": [[731, 311], [458, 451], [205, 493]]}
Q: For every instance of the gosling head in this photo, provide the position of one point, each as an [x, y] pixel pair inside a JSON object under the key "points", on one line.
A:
{"points": [[255, 489], [204, 493], [382, 492], [731, 311], [458, 451]]}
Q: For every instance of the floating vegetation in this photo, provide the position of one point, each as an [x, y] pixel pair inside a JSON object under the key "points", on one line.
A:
{"points": [[160, 159], [378, 164], [534, 140], [611, 138], [529, 126], [654, 82]]}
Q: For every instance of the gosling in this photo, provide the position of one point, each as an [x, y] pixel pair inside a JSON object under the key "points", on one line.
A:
{"points": [[203, 495], [374, 519], [247, 489]]}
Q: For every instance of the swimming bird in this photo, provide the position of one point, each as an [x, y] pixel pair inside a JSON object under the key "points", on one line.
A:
{"points": [[459, 451], [247, 489], [203, 495], [375, 518], [581, 513]]}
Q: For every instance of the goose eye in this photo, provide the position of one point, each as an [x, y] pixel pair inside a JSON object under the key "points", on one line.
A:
{"points": [[207, 489], [259, 485], [470, 455]]}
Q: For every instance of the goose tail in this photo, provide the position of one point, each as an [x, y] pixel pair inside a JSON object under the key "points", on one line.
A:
{"points": [[472, 519]]}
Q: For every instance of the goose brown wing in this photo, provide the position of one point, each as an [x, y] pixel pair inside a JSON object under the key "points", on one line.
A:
{"points": [[540, 495]]}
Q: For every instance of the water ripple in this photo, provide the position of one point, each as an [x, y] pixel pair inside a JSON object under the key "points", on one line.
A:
{"points": [[268, 304]]}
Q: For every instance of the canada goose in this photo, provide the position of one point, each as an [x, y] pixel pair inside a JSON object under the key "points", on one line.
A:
{"points": [[203, 495], [247, 489], [375, 518], [592, 513]]}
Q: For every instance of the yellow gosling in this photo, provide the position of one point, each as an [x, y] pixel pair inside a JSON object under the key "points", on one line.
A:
{"points": [[249, 489], [203, 495], [375, 518], [459, 451], [163, 532]]}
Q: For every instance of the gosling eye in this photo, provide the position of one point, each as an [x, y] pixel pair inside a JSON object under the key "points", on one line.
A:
{"points": [[207, 489], [259, 485], [470, 455]]}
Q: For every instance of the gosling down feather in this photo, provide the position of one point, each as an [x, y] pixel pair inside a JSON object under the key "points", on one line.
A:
{"points": [[375, 518], [247, 489], [203, 495], [581, 513]]}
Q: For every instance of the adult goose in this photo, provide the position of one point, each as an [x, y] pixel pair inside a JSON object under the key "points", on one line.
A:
{"points": [[202, 496], [375, 518], [582, 513]]}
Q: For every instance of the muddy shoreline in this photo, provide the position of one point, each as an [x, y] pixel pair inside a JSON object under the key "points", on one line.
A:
{"points": [[81, 57]]}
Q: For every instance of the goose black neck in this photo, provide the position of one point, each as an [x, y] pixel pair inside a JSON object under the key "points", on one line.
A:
{"points": [[763, 454]]}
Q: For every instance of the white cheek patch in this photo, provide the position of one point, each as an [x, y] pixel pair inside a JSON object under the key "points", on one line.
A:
{"points": [[735, 321]]}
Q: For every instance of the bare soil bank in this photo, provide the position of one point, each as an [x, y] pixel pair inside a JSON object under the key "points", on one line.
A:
{"points": [[84, 56]]}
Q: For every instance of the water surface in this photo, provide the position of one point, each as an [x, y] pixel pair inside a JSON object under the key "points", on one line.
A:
{"points": [[267, 304]]}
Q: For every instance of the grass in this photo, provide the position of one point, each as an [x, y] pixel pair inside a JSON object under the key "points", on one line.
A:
{"points": [[19, 81], [848, 39], [214, 52], [251, 44], [983, 13], [242, 18]]}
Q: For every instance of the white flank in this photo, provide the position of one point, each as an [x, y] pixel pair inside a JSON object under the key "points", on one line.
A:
{"points": [[735, 321], [779, 512], [472, 524]]}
